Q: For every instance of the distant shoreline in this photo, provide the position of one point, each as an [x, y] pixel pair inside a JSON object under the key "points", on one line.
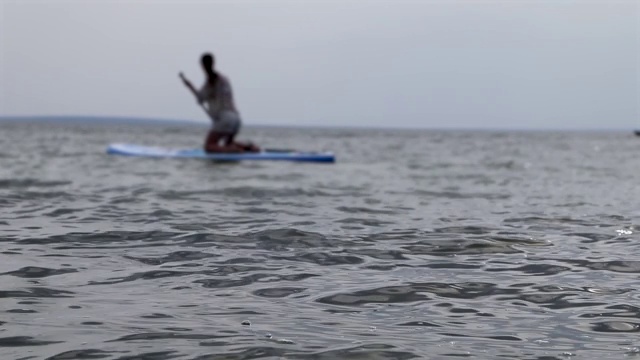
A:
{"points": [[100, 120]]}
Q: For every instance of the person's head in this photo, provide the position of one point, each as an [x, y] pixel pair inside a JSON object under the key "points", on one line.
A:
{"points": [[207, 62]]}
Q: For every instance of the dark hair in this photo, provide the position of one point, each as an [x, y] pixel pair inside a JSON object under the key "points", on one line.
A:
{"points": [[207, 63]]}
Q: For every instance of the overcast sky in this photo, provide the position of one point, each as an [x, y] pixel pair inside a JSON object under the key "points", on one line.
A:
{"points": [[421, 63]]}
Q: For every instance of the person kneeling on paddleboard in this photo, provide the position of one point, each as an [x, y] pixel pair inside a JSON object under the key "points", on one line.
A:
{"points": [[217, 95]]}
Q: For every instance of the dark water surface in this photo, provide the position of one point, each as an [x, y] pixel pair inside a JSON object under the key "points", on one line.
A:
{"points": [[415, 244]]}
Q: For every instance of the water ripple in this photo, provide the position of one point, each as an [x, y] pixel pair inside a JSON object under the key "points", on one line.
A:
{"points": [[14, 341], [38, 272], [28, 182]]}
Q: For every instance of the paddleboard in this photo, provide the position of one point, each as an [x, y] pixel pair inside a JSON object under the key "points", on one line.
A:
{"points": [[163, 152]]}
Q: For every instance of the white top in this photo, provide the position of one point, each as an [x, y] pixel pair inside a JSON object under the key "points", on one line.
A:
{"points": [[218, 98]]}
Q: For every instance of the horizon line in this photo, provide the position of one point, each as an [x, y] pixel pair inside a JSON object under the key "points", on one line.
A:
{"points": [[120, 119]]}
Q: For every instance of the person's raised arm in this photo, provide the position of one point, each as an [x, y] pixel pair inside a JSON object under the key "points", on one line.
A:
{"points": [[188, 84]]}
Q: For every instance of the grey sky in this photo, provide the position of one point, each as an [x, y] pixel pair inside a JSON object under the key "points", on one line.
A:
{"points": [[470, 64]]}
